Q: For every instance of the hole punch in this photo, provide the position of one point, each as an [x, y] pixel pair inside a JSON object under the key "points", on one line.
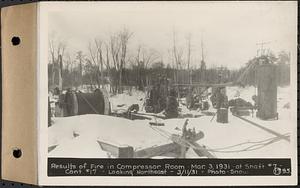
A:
{"points": [[17, 153], [15, 41]]}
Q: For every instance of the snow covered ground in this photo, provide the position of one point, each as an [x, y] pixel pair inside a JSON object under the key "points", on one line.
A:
{"points": [[77, 136], [121, 102]]}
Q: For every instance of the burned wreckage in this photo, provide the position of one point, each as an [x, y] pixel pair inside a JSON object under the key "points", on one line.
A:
{"points": [[166, 100]]}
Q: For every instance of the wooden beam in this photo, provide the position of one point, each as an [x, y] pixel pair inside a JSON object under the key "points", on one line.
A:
{"points": [[199, 150], [117, 151], [206, 85], [286, 138], [147, 115], [157, 150], [179, 140], [202, 151], [50, 148]]}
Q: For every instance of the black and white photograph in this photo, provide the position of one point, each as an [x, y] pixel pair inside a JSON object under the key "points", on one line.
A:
{"points": [[150, 93], [169, 89], [171, 80]]}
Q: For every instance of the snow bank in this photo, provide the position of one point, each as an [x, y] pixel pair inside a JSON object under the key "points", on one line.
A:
{"points": [[77, 136], [81, 147], [119, 131]]}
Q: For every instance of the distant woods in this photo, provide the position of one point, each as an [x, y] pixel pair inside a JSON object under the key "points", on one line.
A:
{"points": [[108, 62]]}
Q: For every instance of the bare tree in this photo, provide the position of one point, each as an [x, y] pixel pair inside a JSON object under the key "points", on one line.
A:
{"points": [[177, 59], [189, 57], [141, 61], [115, 54], [89, 70], [80, 57], [68, 63], [56, 50], [96, 54], [118, 49]]}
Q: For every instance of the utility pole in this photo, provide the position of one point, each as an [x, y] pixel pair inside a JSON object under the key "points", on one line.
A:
{"points": [[202, 54], [60, 69], [189, 59], [261, 44], [177, 63], [202, 64]]}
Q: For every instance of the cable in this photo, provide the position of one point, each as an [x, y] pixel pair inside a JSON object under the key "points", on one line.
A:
{"points": [[250, 148], [234, 151], [257, 144], [249, 142]]}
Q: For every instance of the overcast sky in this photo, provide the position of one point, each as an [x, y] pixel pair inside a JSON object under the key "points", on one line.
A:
{"points": [[230, 31]]}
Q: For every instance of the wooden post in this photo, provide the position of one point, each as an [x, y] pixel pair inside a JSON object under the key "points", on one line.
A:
{"points": [[49, 113], [183, 150], [222, 115], [266, 92], [60, 69]]}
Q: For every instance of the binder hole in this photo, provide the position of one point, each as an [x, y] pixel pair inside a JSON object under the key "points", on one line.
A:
{"points": [[17, 153], [15, 41]]}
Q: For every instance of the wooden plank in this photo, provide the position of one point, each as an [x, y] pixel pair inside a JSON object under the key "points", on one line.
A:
{"points": [[131, 116], [50, 148], [156, 150], [150, 115], [286, 138], [206, 85], [201, 151], [117, 151], [106, 101], [179, 140], [134, 116]]}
